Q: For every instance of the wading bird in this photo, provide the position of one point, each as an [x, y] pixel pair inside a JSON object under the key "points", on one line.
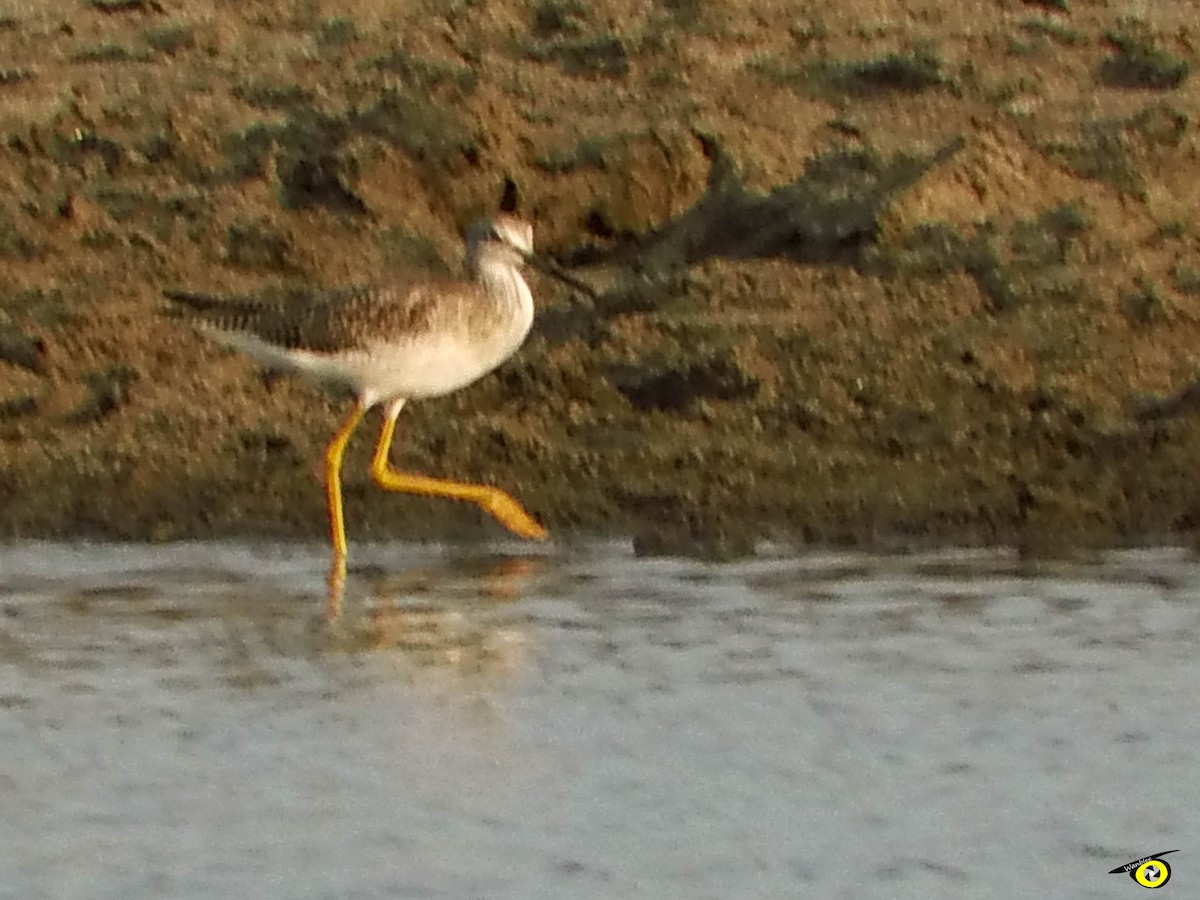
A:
{"points": [[391, 344]]}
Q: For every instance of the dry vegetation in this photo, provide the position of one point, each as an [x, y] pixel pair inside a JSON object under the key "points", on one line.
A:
{"points": [[971, 355]]}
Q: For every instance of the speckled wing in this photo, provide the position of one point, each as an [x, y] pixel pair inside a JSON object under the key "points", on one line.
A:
{"points": [[332, 321]]}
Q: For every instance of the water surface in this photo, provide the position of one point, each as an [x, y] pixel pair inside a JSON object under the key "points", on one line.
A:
{"points": [[186, 722]]}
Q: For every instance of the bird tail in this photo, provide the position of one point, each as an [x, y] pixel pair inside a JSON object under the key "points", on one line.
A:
{"points": [[226, 314]]}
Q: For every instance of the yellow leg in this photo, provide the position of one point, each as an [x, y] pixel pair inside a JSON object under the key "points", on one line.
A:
{"points": [[492, 500], [333, 491]]}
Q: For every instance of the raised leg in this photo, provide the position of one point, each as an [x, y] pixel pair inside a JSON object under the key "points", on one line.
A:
{"points": [[333, 491], [492, 500]]}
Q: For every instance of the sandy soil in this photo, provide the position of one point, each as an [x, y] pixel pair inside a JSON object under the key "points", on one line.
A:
{"points": [[985, 352]]}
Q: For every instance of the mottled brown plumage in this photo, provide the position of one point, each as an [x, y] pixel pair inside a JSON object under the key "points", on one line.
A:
{"points": [[346, 318]]}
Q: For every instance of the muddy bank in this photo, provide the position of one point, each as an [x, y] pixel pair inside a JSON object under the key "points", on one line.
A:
{"points": [[933, 278]]}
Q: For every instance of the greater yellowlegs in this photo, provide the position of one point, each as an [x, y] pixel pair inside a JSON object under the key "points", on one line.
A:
{"points": [[388, 345]]}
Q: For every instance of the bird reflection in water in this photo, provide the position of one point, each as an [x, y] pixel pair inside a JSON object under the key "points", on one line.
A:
{"points": [[433, 612]]}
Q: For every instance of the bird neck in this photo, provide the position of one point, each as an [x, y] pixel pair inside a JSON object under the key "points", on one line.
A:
{"points": [[498, 271]]}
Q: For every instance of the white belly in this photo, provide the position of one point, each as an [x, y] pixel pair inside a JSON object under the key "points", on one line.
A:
{"points": [[430, 367]]}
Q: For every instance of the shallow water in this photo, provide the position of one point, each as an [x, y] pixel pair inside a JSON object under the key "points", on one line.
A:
{"points": [[185, 722]]}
